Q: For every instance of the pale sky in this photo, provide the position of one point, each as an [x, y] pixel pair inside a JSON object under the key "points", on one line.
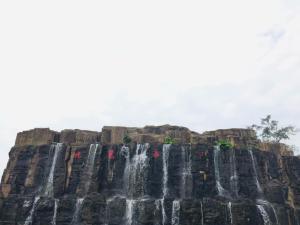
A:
{"points": [[200, 64]]}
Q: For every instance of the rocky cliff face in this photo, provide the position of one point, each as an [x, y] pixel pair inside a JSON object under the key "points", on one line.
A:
{"points": [[85, 177]]}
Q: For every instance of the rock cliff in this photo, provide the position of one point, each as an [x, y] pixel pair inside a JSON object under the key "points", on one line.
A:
{"points": [[92, 178]]}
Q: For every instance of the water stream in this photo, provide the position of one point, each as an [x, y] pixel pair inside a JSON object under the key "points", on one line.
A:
{"points": [[78, 207], [89, 167], [259, 189], [175, 212], [28, 220], [187, 182], [166, 152], [56, 201], [221, 190], [264, 215], [49, 185]]}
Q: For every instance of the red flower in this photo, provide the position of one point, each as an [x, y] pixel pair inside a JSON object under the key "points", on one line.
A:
{"points": [[77, 155], [156, 154], [111, 154]]}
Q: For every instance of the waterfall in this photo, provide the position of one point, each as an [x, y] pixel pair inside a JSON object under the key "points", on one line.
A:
{"points": [[135, 170], [186, 183], [221, 190], [89, 166], [269, 205], [255, 172], [77, 211], [230, 212], [157, 210], [233, 173], [175, 212], [166, 151], [264, 215], [202, 214], [49, 185], [55, 211], [28, 220], [129, 211]]}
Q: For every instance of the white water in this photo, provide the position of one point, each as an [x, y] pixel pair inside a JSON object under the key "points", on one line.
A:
{"points": [[233, 173], [230, 212], [28, 220], [175, 212], [202, 214], [264, 215], [89, 166], [49, 185], [221, 190], [166, 151], [157, 210], [55, 211], [135, 170], [129, 211], [186, 183], [77, 211], [265, 203], [255, 172]]}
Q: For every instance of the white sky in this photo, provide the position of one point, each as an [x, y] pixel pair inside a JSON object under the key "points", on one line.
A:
{"points": [[201, 64]]}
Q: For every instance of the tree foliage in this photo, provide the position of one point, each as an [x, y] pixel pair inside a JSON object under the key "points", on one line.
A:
{"points": [[270, 131]]}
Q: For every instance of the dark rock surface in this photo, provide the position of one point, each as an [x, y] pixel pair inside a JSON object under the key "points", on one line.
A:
{"points": [[93, 179]]}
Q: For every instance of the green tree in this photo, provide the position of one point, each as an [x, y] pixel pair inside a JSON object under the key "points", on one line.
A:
{"points": [[270, 131]]}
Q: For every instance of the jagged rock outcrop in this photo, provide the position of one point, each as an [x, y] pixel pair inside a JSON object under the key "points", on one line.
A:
{"points": [[92, 178]]}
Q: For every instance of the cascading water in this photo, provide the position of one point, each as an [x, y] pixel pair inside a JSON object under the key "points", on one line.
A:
{"points": [[264, 215], [166, 151], [157, 210], [186, 183], [175, 212], [233, 175], [255, 172], [264, 203], [129, 211], [221, 190], [78, 207], [56, 201], [202, 214], [230, 212], [48, 192], [28, 220], [89, 167], [136, 170], [49, 185]]}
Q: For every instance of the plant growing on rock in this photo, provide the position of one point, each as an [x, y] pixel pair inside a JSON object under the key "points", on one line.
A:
{"points": [[126, 139], [269, 130], [169, 140], [224, 144]]}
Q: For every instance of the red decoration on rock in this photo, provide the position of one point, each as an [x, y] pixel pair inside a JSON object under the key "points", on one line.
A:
{"points": [[111, 154], [77, 155], [156, 154]]}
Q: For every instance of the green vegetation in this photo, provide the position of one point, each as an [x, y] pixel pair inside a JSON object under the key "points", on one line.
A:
{"points": [[169, 140], [224, 144], [126, 139], [269, 130]]}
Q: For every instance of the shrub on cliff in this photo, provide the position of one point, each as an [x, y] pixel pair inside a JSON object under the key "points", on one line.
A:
{"points": [[270, 131], [169, 140], [224, 144]]}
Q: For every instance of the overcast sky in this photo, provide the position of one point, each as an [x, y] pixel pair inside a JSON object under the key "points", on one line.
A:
{"points": [[201, 64]]}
